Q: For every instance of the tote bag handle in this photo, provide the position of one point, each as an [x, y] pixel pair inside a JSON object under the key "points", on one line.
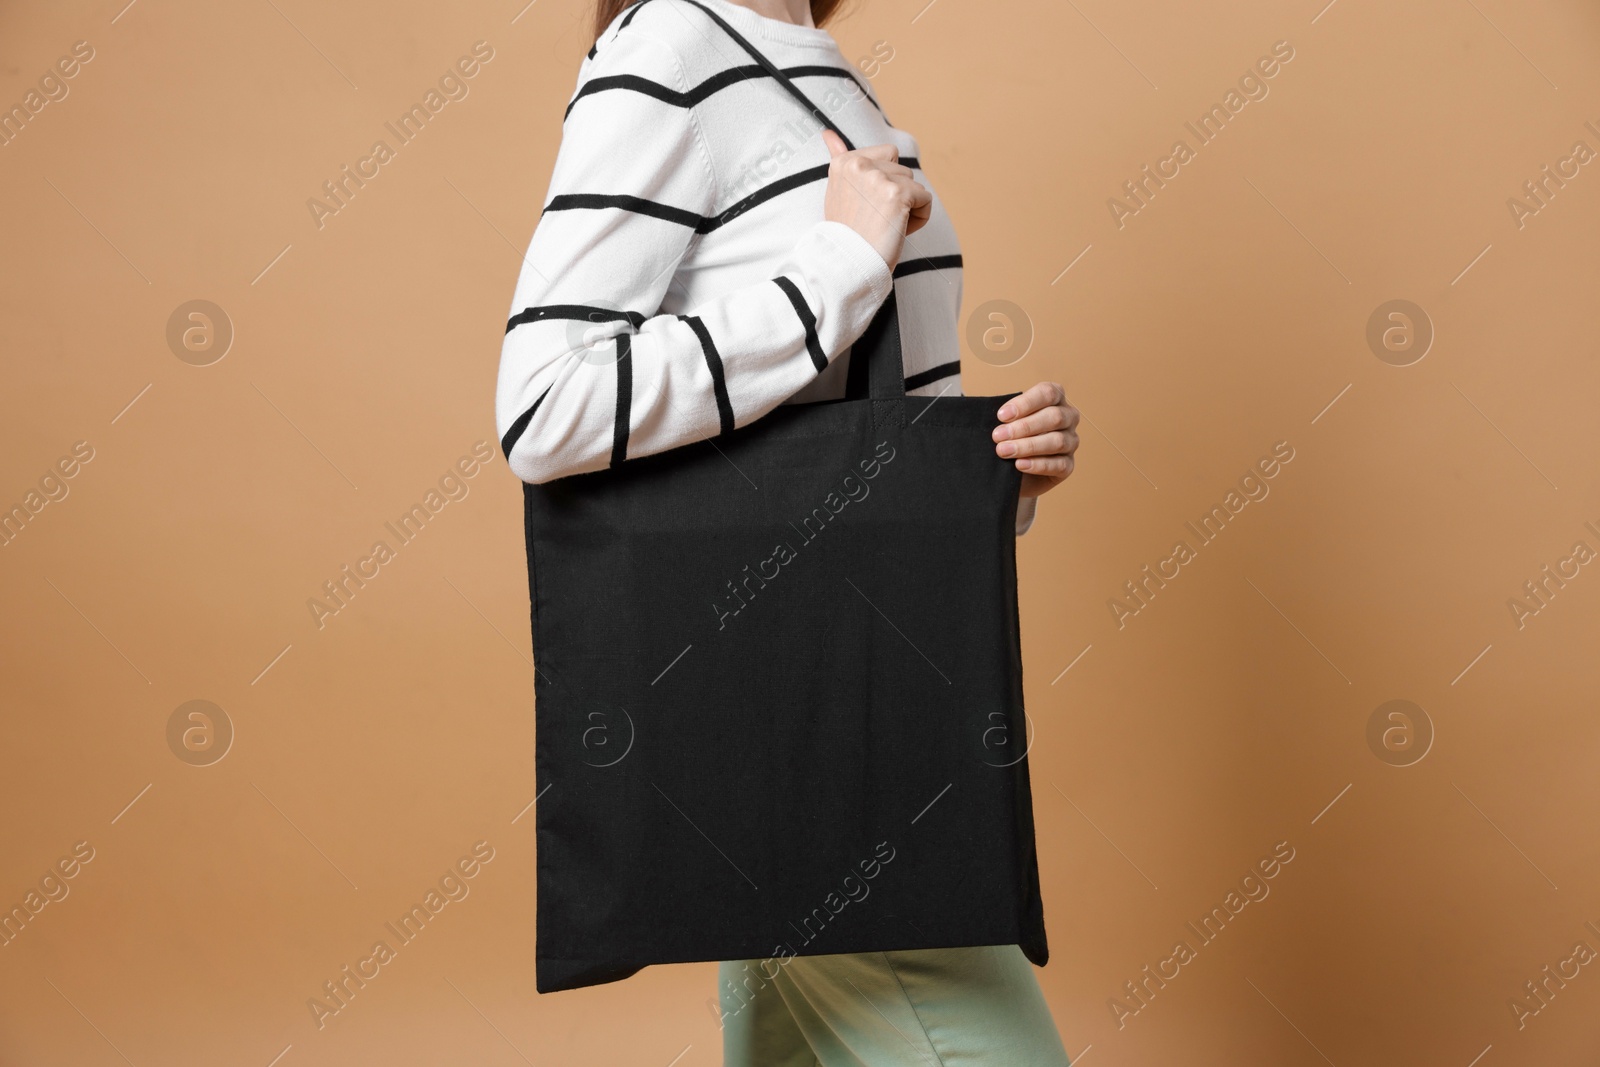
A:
{"points": [[877, 351]]}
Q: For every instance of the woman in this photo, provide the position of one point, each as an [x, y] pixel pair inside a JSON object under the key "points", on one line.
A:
{"points": [[688, 183]]}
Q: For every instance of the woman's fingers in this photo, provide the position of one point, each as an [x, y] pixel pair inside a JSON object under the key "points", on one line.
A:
{"points": [[921, 205], [1041, 421], [1042, 395], [857, 168], [1045, 444], [881, 153], [1038, 432], [1056, 416], [1047, 466], [875, 153], [1056, 442]]}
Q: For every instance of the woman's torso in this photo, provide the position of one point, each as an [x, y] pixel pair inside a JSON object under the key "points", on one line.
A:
{"points": [[762, 142]]}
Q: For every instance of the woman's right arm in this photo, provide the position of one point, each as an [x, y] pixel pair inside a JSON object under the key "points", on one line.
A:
{"points": [[589, 374]]}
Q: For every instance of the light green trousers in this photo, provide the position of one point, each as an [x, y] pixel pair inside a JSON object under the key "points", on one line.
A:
{"points": [[948, 1007]]}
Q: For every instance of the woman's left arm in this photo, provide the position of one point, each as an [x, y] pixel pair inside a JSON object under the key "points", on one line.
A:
{"points": [[1039, 431]]}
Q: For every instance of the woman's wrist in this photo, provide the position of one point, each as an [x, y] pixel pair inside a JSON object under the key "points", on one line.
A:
{"points": [[860, 258]]}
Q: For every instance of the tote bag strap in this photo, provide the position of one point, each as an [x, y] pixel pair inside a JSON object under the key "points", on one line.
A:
{"points": [[878, 349], [876, 354]]}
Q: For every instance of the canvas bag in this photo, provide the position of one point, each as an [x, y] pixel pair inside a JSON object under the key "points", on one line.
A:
{"points": [[778, 688]]}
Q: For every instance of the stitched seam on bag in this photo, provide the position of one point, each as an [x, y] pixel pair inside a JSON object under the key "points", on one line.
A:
{"points": [[533, 642], [890, 964]]}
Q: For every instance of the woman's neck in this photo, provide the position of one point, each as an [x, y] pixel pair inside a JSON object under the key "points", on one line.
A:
{"points": [[795, 11]]}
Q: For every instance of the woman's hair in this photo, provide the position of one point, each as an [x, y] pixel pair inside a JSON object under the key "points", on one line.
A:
{"points": [[606, 10]]}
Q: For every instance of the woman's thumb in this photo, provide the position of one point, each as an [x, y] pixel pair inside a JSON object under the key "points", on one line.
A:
{"points": [[835, 144]]}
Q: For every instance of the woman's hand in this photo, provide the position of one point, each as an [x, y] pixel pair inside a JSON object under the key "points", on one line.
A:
{"points": [[1039, 430], [870, 192]]}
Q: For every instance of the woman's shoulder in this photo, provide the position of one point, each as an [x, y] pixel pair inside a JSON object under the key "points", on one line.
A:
{"points": [[656, 39]]}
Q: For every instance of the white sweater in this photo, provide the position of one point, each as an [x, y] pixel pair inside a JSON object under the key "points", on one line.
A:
{"points": [[683, 228]]}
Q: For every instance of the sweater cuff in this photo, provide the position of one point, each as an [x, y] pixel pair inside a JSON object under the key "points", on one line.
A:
{"points": [[860, 258], [1027, 508]]}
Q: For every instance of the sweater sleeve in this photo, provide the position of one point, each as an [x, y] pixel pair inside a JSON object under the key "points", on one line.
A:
{"points": [[1027, 508], [590, 373]]}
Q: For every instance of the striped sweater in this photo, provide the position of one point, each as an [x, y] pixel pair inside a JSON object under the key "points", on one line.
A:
{"points": [[683, 235]]}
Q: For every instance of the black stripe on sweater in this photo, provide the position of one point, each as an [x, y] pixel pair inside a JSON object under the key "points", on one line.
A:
{"points": [[634, 10], [636, 204], [629, 16], [619, 434], [808, 320], [777, 188], [933, 374], [917, 266], [832, 72], [514, 433], [699, 93], [719, 383], [576, 312], [761, 196], [702, 224]]}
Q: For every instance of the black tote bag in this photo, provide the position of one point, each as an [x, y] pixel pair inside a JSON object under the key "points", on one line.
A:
{"points": [[778, 689]]}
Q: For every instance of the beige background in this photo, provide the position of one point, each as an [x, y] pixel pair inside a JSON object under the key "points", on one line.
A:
{"points": [[1230, 714]]}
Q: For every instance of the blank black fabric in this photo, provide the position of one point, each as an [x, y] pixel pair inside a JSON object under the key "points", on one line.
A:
{"points": [[769, 665], [778, 693]]}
